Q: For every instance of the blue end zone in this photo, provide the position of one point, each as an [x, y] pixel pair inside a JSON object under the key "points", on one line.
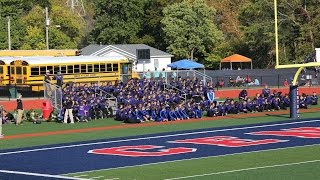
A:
{"points": [[74, 157]]}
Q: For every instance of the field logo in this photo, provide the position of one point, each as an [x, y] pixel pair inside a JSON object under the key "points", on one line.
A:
{"points": [[302, 132], [139, 151], [228, 141]]}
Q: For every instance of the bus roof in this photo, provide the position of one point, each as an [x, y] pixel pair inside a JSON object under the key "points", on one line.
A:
{"points": [[52, 52], [38, 60], [6, 59]]}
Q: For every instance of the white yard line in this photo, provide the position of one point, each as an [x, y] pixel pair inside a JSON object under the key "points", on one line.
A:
{"points": [[246, 169], [153, 137], [39, 175], [163, 162]]}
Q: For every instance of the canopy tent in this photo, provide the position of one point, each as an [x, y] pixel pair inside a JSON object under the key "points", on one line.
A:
{"points": [[236, 58], [186, 64]]}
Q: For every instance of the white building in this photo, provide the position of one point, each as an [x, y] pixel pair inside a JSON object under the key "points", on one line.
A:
{"points": [[158, 59]]}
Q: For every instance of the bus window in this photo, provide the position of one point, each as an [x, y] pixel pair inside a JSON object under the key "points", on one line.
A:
{"points": [[109, 67], [12, 70], [70, 69], [102, 67], [96, 68], [42, 70], [56, 69], [89, 67], [124, 69], [18, 70], [35, 71], [115, 67], [1, 69], [83, 68], [76, 68], [50, 68], [24, 70], [63, 69]]}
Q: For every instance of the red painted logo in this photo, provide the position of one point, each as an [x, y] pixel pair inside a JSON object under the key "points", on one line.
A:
{"points": [[302, 132], [139, 151], [228, 141]]}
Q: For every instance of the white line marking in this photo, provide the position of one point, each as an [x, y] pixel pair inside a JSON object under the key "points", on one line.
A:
{"points": [[163, 162], [153, 137], [112, 179], [80, 176], [246, 169], [39, 175], [97, 177]]}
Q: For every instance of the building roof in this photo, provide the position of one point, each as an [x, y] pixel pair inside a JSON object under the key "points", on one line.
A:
{"points": [[236, 58], [129, 50]]}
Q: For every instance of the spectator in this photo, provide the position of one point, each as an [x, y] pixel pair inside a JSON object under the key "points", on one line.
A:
{"points": [[59, 79], [156, 74], [19, 109], [210, 95], [163, 73], [256, 82], [266, 91], [314, 98], [68, 110], [285, 83], [148, 74]]}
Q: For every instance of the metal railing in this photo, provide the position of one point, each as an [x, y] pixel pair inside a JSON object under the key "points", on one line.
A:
{"points": [[169, 86], [111, 99], [53, 93], [174, 74], [1, 119]]}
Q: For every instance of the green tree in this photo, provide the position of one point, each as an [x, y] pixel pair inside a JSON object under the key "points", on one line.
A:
{"points": [[298, 30], [117, 21], [34, 39], [189, 29]]}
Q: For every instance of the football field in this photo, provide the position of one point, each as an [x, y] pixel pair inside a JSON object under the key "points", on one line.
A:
{"points": [[276, 148]]}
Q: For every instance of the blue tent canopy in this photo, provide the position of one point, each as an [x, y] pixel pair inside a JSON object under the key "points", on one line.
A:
{"points": [[185, 64]]}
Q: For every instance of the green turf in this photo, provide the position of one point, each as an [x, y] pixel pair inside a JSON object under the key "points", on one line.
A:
{"points": [[123, 132], [216, 165]]}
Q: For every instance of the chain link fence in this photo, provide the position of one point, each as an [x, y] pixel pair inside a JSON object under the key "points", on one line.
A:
{"points": [[53, 93]]}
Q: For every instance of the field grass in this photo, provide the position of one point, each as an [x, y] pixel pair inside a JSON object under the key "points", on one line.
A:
{"points": [[121, 132], [291, 163]]}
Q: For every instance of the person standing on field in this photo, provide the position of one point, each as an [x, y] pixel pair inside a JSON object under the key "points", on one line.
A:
{"points": [[68, 111], [19, 109]]}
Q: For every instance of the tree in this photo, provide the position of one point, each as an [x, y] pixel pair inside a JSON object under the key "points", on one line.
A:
{"points": [[298, 30], [189, 28], [117, 21], [34, 39]]}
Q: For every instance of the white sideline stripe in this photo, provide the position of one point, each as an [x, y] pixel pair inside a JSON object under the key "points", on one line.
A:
{"points": [[153, 137], [246, 169], [39, 175], [80, 176], [97, 177], [163, 162]]}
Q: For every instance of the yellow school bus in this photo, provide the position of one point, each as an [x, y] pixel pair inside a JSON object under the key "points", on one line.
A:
{"points": [[29, 71], [4, 70]]}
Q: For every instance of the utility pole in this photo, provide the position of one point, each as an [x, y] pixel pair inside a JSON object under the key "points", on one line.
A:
{"points": [[47, 28], [9, 33]]}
